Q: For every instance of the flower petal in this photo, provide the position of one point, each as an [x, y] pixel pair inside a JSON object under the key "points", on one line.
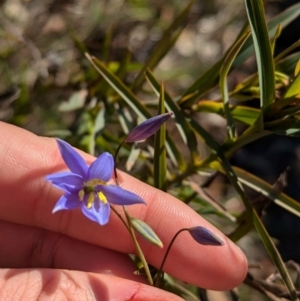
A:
{"points": [[99, 212], [148, 127], [66, 178], [66, 188], [118, 196], [102, 168], [72, 159], [67, 201]]}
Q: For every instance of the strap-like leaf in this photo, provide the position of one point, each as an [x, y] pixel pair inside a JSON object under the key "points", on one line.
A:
{"points": [[160, 163], [264, 59]]}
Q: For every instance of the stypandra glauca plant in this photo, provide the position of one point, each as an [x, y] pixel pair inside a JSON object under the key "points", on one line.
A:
{"points": [[92, 189], [274, 85]]}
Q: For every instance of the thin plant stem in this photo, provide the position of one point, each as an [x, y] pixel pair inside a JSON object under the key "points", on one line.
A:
{"points": [[119, 216], [129, 225], [138, 248], [160, 270], [115, 161]]}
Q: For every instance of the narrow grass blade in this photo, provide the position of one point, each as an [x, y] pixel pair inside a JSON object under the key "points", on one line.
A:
{"points": [[231, 55], [184, 128], [160, 163], [264, 59]]}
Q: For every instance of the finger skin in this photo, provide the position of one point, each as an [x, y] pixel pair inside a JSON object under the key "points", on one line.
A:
{"points": [[32, 247], [26, 198], [63, 285]]}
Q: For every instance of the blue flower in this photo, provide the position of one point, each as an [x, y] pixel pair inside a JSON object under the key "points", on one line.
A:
{"points": [[87, 187]]}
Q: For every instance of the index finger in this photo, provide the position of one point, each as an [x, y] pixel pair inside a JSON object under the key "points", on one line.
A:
{"points": [[26, 198]]}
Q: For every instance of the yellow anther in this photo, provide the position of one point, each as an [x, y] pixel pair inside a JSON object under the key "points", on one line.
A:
{"points": [[90, 200], [81, 194], [102, 197]]}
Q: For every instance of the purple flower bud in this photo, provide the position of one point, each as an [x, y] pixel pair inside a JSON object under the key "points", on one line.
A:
{"points": [[205, 237], [147, 128]]}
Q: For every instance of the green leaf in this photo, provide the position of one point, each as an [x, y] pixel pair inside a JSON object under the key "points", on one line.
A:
{"points": [[202, 85], [267, 241], [134, 103], [120, 88], [243, 114], [297, 68], [160, 163], [264, 59], [183, 127], [284, 19], [145, 231], [78, 44], [259, 185], [163, 46], [209, 79], [294, 89], [276, 36], [229, 58], [287, 64], [225, 167], [245, 226]]}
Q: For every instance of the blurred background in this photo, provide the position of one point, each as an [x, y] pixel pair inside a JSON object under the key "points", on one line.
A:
{"points": [[49, 88]]}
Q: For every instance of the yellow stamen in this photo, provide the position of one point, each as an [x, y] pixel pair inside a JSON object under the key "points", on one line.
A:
{"points": [[81, 194], [102, 197], [90, 200]]}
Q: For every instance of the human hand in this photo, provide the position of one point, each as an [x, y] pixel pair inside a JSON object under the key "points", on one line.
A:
{"points": [[64, 256]]}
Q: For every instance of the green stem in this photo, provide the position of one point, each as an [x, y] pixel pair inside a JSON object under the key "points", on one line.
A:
{"points": [[115, 161], [160, 270], [129, 225], [119, 216], [138, 248]]}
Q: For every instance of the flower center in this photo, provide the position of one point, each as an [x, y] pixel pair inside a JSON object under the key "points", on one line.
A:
{"points": [[90, 189]]}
